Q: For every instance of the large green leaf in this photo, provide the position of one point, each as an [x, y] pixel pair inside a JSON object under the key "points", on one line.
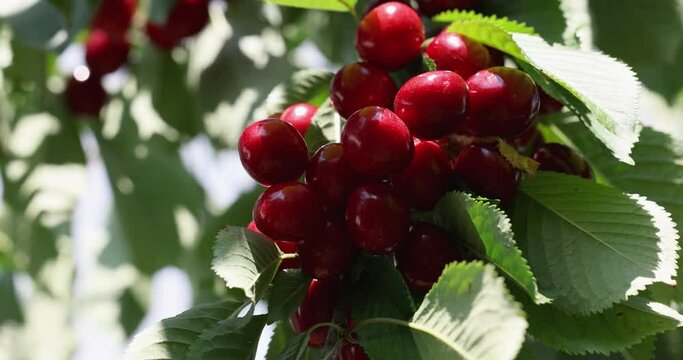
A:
{"points": [[282, 334], [305, 86], [10, 310], [326, 127], [545, 16], [330, 5], [589, 245], [289, 289], [52, 30], [229, 340], [503, 22]]}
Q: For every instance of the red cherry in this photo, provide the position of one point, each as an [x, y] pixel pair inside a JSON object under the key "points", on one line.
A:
{"points": [[549, 104], [424, 255], [86, 97], [161, 37], [503, 102], [528, 141], [350, 351], [427, 178], [284, 246], [486, 171], [458, 53], [432, 104], [188, 17], [390, 35], [433, 7], [273, 151], [330, 174], [105, 52], [376, 142], [317, 307], [496, 57], [377, 218], [561, 158], [288, 211], [351, 90], [114, 16], [328, 252], [299, 115]]}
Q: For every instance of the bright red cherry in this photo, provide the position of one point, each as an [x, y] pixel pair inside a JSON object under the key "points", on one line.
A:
{"points": [[561, 158], [528, 141], [427, 178], [390, 35], [458, 53], [487, 172], [350, 351], [376, 142], [424, 255], [86, 97], [286, 247], [317, 307], [549, 104], [105, 52], [299, 115], [378, 218], [328, 252], [288, 211], [114, 16], [273, 151], [432, 104], [503, 102], [433, 7], [161, 37], [330, 174], [360, 84], [188, 17]]}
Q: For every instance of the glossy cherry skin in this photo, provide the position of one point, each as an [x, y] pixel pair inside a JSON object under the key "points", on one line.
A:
{"points": [[561, 158], [376, 142], [390, 35], [188, 17], [288, 211], [317, 307], [105, 52], [86, 97], [330, 174], [528, 141], [432, 104], [502, 102], [286, 247], [299, 115], [114, 16], [549, 104], [427, 178], [161, 37], [378, 218], [424, 255], [350, 351], [458, 53], [360, 84], [273, 151], [433, 7], [329, 252], [487, 172]]}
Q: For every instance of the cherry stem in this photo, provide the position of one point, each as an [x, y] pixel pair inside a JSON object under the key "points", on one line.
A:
{"points": [[323, 324], [381, 320], [289, 256], [352, 11]]}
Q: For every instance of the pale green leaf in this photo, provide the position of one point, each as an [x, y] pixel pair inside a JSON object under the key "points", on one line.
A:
{"points": [[288, 290], [330, 5], [503, 23], [229, 340], [305, 86], [325, 128]]}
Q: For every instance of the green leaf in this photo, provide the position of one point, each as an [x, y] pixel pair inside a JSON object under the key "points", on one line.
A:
{"points": [[289, 289], [10, 311], [544, 16], [246, 260], [305, 86], [297, 348], [645, 350], [282, 334], [589, 245], [428, 63], [487, 231], [229, 340], [325, 128], [52, 30], [330, 5], [502, 23]]}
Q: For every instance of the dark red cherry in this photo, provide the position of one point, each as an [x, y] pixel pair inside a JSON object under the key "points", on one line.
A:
{"points": [[424, 255], [427, 178], [317, 307], [503, 102], [390, 35], [376, 142], [378, 218], [286, 247], [549, 104], [161, 37], [86, 97], [273, 151], [458, 53], [487, 172], [561, 158], [528, 141], [330, 174], [496, 57], [350, 351], [432, 104], [299, 115], [288, 211], [114, 16], [328, 252], [433, 7], [105, 52], [360, 84], [188, 17]]}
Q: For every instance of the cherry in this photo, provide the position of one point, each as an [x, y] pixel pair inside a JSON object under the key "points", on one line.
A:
{"points": [[433, 7], [288, 211], [317, 307], [188, 17], [351, 90], [114, 16], [330, 174], [549, 104], [105, 52], [376, 142], [432, 104], [496, 57], [486, 171], [284, 246], [528, 141], [390, 35], [503, 102], [560, 158], [427, 178], [377, 218], [161, 37], [273, 151], [350, 351], [329, 251], [457, 53], [424, 255], [86, 97], [299, 115]]}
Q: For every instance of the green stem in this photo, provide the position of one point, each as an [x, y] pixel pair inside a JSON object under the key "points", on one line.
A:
{"points": [[352, 11], [289, 256], [381, 320], [323, 324]]}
